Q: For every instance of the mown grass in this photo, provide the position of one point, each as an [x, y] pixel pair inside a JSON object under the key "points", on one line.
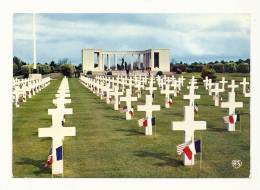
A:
{"points": [[107, 145]]}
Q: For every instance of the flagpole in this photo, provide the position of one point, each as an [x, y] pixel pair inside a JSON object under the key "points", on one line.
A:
{"points": [[200, 152], [240, 122]]}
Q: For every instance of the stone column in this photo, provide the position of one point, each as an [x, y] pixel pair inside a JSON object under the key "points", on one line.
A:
{"points": [[144, 61], [115, 61], [139, 61], [108, 62], [132, 63]]}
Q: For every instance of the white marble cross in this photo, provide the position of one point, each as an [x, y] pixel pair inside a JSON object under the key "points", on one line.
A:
{"points": [[60, 102], [151, 88], [167, 93], [189, 126], [193, 81], [216, 91], [233, 85], [210, 85], [57, 134], [223, 82], [205, 81], [108, 90], [192, 96], [116, 95], [139, 87], [128, 99], [231, 105], [181, 80], [148, 108], [244, 83]]}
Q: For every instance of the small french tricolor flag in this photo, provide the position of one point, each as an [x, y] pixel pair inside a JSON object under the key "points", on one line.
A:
{"points": [[170, 101], [144, 122], [230, 119]]}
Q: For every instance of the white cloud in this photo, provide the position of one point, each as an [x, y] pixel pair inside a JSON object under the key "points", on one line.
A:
{"points": [[184, 34]]}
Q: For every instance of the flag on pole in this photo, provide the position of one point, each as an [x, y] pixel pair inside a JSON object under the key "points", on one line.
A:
{"points": [[142, 122], [49, 159], [188, 152], [170, 101], [196, 108], [230, 119], [131, 112], [180, 147]]}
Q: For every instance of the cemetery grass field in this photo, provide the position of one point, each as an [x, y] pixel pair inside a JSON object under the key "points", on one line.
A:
{"points": [[106, 145]]}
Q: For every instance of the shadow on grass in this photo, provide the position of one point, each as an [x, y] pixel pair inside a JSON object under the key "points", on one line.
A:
{"points": [[130, 132], [169, 161], [39, 164], [215, 129], [115, 117]]}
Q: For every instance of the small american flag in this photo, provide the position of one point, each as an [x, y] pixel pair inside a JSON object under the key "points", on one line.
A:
{"points": [[180, 147], [49, 159]]}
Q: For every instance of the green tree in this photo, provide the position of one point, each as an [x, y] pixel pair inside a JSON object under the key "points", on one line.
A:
{"points": [[210, 72], [26, 70], [231, 67], [67, 69], [243, 68]]}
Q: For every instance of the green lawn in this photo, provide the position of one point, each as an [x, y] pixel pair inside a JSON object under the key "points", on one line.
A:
{"points": [[107, 145]]}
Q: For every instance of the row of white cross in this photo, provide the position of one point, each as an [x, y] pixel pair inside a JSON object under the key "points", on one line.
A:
{"points": [[26, 88], [231, 104], [188, 125], [57, 131], [164, 83]]}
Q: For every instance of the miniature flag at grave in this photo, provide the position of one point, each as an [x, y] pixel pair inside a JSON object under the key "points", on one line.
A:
{"points": [[131, 112], [144, 122], [196, 108], [188, 152], [230, 119], [170, 101], [49, 159], [180, 147]]}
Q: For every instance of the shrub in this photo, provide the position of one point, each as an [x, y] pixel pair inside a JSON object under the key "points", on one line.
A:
{"points": [[26, 70], [182, 67], [243, 68], [43, 69], [89, 72], [15, 69], [160, 73], [178, 71], [210, 72], [196, 68], [67, 69], [189, 70], [109, 73], [219, 68]]}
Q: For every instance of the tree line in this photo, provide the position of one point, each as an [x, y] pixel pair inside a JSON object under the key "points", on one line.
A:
{"points": [[64, 66], [239, 66]]}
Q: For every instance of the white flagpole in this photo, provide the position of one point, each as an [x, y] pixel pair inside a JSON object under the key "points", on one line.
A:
{"points": [[200, 152], [34, 42]]}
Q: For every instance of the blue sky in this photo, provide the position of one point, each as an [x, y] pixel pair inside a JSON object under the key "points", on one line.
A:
{"points": [[190, 37]]}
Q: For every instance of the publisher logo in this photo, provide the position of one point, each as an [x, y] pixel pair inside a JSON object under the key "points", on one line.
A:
{"points": [[236, 164]]}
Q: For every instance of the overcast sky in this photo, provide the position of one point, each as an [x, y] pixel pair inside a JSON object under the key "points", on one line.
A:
{"points": [[190, 37]]}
